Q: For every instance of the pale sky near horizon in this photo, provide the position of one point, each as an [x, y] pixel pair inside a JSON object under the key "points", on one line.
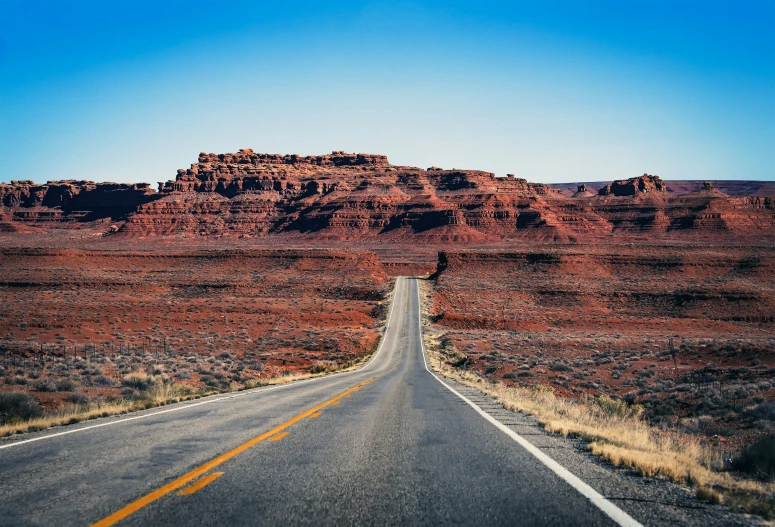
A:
{"points": [[554, 90]]}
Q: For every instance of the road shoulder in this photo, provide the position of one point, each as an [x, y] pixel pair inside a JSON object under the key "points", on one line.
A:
{"points": [[651, 501]]}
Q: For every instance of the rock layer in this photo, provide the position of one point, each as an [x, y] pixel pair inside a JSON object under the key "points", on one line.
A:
{"points": [[363, 196], [70, 200]]}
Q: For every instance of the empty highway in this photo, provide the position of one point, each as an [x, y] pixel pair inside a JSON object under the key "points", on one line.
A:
{"points": [[388, 444]]}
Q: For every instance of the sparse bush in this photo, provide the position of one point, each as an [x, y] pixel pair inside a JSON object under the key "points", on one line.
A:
{"points": [[758, 459], [103, 380], [709, 495], [15, 406], [163, 390], [209, 381], [323, 367], [138, 382], [616, 407], [132, 394], [44, 386], [65, 385], [77, 398]]}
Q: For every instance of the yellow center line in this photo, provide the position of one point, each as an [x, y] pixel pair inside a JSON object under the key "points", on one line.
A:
{"points": [[200, 484], [279, 436], [316, 414], [187, 478]]}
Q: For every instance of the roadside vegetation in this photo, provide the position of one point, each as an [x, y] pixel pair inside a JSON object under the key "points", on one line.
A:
{"points": [[661, 358], [75, 398], [20, 412], [37, 393], [616, 431], [619, 431]]}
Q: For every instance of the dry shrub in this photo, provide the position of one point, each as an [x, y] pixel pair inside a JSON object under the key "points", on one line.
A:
{"points": [[18, 406], [758, 460], [253, 383], [164, 391], [66, 415], [324, 366], [616, 407], [709, 495]]}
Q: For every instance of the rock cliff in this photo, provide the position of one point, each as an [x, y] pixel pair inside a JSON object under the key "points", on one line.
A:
{"points": [[70, 200], [362, 196], [644, 184]]}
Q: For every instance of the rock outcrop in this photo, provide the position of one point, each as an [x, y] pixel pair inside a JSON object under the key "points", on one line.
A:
{"points": [[71, 200], [342, 196], [583, 192], [707, 189], [730, 187], [362, 196], [644, 184]]}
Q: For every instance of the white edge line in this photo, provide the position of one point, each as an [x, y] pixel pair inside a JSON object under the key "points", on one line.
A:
{"points": [[613, 512], [215, 398]]}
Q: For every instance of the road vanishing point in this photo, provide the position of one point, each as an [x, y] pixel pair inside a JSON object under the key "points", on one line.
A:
{"points": [[391, 443]]}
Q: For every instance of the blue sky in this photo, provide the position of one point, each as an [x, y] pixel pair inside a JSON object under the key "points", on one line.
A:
{"points": [[549, 90]]}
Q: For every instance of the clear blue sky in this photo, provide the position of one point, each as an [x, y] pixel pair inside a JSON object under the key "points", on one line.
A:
{"points": [[552, 91]]}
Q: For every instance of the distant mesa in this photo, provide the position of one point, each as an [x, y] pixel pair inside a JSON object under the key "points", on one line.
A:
{"points": [[708, 189], [72, 200], [645, 184], [730, 187], [356, 196]]}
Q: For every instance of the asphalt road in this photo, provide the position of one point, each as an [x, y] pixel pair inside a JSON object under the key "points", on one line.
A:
{"points": [[389, 444]]}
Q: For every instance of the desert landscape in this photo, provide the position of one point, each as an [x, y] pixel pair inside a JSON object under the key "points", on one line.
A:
{"points": [[683, 330], [608, 275], [387, 263], [652, 293], [81, 326]]}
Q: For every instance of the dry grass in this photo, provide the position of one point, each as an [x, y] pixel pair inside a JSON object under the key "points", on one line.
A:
{"points": [[161, 391], [69, 415], [621, 436]]}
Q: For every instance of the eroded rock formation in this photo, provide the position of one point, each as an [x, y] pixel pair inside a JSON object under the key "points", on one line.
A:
{"points": [[70, 200], [644, 184], [582, 192], [363, 196]]}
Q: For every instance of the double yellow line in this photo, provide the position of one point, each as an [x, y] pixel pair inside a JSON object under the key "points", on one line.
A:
{"points": [[187, 478]]}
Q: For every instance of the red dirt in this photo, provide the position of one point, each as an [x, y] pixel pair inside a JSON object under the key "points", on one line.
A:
{"points": [[598, 318], [258, 313]]}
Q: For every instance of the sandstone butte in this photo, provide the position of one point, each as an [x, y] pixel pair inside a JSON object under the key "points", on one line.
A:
{"points": [[362, 196]]}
